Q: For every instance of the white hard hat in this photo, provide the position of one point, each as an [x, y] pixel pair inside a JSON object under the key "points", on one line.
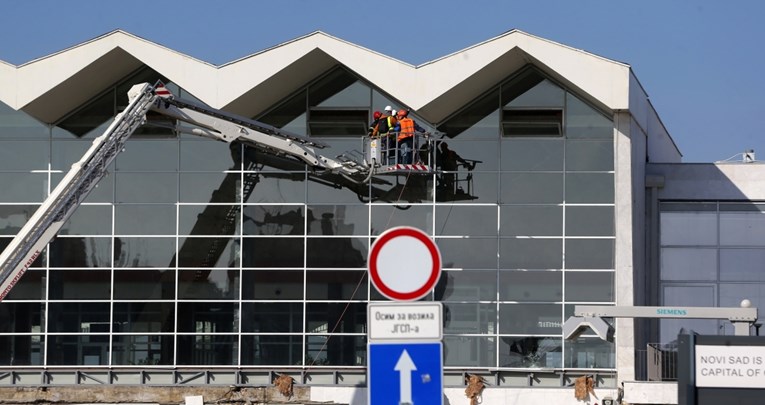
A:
{"points": [[388, 108]]}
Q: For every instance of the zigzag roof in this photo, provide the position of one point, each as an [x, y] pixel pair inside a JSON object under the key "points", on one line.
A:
{"points": [[49, 87]]}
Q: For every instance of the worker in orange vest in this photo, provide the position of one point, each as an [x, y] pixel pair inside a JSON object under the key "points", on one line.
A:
{"points": [[406, 133]]}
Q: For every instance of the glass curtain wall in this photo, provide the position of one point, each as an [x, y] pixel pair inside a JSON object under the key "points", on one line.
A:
{"points": [[712, 255], [191, 252]]}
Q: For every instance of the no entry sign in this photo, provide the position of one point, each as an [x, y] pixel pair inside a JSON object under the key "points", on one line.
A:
{"points": [[404, 264]]}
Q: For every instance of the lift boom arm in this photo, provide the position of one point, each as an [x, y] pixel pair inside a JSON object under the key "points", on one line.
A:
{"points": [[204, 121]]}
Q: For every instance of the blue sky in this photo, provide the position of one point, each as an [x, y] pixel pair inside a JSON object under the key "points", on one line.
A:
{"points": [[701, 61]]}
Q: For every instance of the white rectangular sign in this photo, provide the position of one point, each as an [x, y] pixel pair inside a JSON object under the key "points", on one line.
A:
{"points": [[730, 366], [394, 321]]}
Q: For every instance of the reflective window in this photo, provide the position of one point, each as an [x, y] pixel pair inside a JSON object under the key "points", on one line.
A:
{"points": [[530, 89], [276, 188], [96, 114], [13, 217], [23, 187], [21, 318], [742, 228], [272, 285], [207, 350], [338, 220], [24, 155], [332, 122], [208, 252], [466, 220], [19, 125], [80, 252], [470, 318], [693, 264], [146, 187], [149, 219], [272, 317], [290, 115], [284, 350], [144, 284], [338, 89], [336, 285], [208, 220], [142, 350], [480, 120], [326, 317], [206, 284], [536, 254], [589, 155], [525, 122], [320, 192], [589, 221], [144, 252], [469, 351], [209, 156], [530, 319], [538, 188], [90, 220], [698, 295], [273, 252], [589, 188], [590, 286], [275, 220], [589, 253], [148, 155], [478, 155], [89, 284], [531, 220], [208, 317], [22, 350], [78, 350], [336, 252], [468, 253], [335, 350], [531, 154], [385, 217], [746, 265], [471, 286], [531, 286], [204, 187], [583, 121], [90, 317], [589, 352], [688, 228]]}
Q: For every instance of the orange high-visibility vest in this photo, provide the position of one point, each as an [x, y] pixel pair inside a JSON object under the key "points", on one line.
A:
{"points": [[407, 128]]}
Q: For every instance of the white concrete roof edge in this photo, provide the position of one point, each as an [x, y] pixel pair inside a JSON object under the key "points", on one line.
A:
{"points": [[217, 86]]}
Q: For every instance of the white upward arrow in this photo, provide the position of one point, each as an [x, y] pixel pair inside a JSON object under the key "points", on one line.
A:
{"points": [[405, 366]]}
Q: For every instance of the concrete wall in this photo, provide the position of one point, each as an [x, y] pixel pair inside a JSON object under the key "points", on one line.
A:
{"points": [[725, 181]]}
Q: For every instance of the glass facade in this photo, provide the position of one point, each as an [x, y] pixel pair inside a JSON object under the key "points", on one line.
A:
{"points": [[712, 255], [194, 253]]}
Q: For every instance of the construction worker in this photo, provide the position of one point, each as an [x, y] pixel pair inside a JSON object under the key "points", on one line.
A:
{"points": [[373, 125], [385, 126], [406, 134]]}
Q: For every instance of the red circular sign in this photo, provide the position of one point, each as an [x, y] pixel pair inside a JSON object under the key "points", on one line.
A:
{"points": [[404, 264]]}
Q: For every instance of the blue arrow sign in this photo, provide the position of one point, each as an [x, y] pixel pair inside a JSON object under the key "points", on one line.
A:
{"points": [[405, 373]]}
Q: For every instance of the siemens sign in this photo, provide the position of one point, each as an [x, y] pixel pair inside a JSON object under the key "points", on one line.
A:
{"points": [[671, 311]]}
